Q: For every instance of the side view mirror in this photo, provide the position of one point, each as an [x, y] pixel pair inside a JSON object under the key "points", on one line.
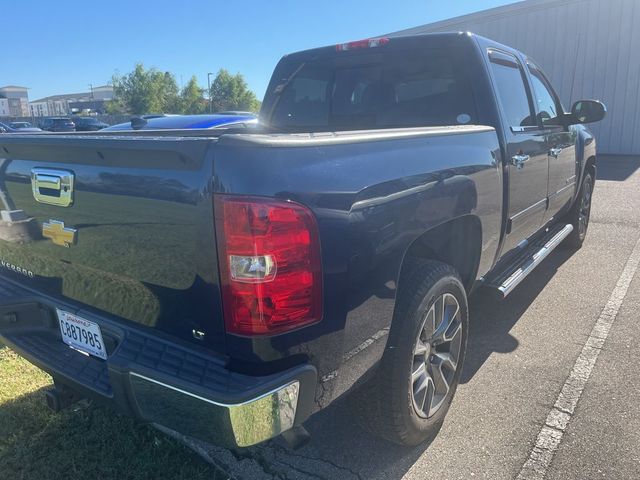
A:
{"points": [[587, 111]]}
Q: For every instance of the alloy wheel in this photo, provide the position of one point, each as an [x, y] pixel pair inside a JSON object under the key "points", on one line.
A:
{"points": [[435, 355], [585, 207]]}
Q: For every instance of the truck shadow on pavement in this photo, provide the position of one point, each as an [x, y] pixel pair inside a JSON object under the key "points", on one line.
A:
{"points": [[341, 449], [491, 320], [617, 168]]}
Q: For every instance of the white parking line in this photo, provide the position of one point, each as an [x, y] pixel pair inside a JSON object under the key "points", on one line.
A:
{"points": [[550, 436]]}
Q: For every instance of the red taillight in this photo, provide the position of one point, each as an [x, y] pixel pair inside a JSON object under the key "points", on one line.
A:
{"points": [[269, 256], [367, 43]]}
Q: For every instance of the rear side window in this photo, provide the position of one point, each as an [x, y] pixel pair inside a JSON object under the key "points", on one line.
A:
{"points": [[512, 92], [369, 90]]}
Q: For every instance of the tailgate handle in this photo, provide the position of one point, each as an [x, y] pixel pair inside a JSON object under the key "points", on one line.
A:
{"points": [[52, 186], [48, 181]]}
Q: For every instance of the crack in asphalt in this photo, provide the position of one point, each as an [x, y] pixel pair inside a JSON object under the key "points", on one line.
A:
{"points": [[202, 449], [300, 470], [263, 463], [290, 453], [265, 459]]}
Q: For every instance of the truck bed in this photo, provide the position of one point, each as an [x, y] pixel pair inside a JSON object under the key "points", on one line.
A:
{"points": [[144, 255]]}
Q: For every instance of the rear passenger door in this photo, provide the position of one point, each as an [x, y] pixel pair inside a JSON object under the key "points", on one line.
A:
{"points": [[560, 139], [526, 149]]}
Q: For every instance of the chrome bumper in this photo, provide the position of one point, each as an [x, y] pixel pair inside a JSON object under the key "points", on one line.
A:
{"points": [[160, 380], [227, 424]]}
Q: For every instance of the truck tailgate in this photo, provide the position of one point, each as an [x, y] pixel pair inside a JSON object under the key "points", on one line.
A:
{"points": [[116, 225]]}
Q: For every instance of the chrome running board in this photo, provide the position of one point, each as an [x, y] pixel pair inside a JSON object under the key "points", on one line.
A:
{"points": [[506, 279]]}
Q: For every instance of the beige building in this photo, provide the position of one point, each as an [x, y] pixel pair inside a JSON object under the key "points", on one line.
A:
{"points": [[16, 100], [4, 107], [71, 102]]}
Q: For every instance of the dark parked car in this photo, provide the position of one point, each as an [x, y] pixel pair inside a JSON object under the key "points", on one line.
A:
{"points": [[12, 129], [88, 124], [58, 124], [24, 127], [227, 284]]}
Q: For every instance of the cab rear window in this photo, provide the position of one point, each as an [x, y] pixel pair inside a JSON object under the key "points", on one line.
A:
{"points": [[369, 90]]}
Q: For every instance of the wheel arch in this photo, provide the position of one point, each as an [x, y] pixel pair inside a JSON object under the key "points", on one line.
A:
{"points": [[590, 166], [457, 242], [586, 156]]}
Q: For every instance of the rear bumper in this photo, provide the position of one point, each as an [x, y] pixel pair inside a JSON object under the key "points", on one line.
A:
{"points": [[158, 380]]}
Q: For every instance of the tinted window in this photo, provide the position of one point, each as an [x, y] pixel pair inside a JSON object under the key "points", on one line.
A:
{"points": [[512, 92], [371, 90], [546, 105]]}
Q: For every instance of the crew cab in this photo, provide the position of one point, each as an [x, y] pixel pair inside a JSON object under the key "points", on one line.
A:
{"points": [[228, 283]]}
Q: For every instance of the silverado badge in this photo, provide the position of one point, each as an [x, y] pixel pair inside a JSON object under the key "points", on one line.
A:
{"points": [[58, 233]]}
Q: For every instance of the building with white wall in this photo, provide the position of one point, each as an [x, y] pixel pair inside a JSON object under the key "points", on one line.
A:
{"points": [[17, 99], [56, 104], [103, 92], [72, 102], [39, 109], [4, 107], [590, 49]]}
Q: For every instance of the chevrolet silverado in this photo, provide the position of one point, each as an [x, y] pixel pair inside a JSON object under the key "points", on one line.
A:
{"points": [[228, 283]]}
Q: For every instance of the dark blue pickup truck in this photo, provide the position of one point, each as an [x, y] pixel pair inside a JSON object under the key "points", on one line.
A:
{"points": [[229, 283]]}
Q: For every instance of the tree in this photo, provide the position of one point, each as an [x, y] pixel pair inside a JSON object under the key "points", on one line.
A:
{"points": [[146, 91], [152, 91], [115, 107], [191, 98], [230, 92], [170, 94]]}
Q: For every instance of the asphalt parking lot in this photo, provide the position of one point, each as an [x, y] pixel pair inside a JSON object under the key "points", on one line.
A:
{"points": [[524, 355]]}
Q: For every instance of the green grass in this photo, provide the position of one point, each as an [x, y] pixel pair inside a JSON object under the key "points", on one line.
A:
{"points": [[82, 442]]}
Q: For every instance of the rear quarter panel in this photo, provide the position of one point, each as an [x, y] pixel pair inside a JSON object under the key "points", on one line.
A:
{"points": [[372, 198]]}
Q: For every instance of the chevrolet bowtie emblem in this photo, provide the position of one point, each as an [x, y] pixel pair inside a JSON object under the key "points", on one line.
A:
{"points": [[58, 233]]}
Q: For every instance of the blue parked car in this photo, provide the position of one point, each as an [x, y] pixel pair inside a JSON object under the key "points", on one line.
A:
{"points": [[185, 122]]}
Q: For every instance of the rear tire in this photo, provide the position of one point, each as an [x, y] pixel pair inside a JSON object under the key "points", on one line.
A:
{"points": [[408, 399], [580, 213]]}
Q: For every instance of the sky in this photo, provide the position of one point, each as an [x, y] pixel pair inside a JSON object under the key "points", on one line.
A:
{"points": [[63, 46]]}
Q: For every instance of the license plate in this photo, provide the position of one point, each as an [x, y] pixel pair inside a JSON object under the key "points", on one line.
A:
{"points": [[81, 334]]}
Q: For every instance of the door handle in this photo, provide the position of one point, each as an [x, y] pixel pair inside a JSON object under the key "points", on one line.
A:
{"points": [[555, 151], [518, 160]]}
